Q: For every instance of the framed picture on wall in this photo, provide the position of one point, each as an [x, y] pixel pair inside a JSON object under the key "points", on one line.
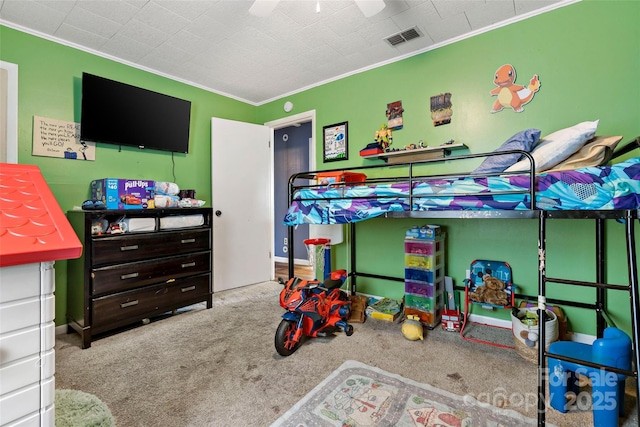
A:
{"points": [[335, 142]]}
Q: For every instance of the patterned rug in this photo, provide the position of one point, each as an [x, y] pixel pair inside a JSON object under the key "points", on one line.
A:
{"points": [[359, 395]]}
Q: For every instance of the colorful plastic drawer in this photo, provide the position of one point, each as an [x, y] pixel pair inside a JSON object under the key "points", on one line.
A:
{"points": [[419, 302], [418, 261], [426, 276], [422, 247], [424, 289], [424, 262], [431, 320]]}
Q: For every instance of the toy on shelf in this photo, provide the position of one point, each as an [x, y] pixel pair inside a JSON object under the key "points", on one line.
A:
{"points": [[381, 142], [372, 149], [384, 137]]}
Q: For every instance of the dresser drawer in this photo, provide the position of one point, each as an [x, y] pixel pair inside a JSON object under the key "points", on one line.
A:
{"points": [[121, 277], [127, 307], [134, 247]]}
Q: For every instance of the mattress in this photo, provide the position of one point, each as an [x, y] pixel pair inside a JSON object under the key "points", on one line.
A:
{"points": [[592, 188]]}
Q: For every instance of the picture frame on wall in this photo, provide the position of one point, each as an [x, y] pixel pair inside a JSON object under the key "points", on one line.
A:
{"points": [[335, 142]]}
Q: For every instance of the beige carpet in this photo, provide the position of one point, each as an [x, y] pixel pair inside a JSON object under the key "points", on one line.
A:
{"points": [[219, 367]]}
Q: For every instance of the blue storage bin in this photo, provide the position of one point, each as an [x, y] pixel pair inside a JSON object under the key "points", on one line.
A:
{"points": [[425, 276]]}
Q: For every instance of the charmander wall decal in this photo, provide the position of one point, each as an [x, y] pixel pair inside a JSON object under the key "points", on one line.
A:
{"points": [[511, 95]]}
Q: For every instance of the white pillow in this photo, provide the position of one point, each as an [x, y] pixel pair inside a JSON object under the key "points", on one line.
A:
{"points": [[556, 147]]}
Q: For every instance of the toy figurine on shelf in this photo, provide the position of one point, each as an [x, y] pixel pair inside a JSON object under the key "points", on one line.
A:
{"points": [[384, 137]]}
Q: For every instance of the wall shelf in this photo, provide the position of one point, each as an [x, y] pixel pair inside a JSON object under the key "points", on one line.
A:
{"points": [[417, 154]]}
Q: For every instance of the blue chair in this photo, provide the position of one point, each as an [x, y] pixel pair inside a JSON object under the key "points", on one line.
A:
{"points": [[607, 394]]}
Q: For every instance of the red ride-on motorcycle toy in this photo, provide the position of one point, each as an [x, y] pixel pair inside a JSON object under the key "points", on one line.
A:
{"points": [[314, 309]]}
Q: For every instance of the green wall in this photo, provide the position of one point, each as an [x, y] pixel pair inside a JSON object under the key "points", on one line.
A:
{"points": [[587, 56], [50, 85]]}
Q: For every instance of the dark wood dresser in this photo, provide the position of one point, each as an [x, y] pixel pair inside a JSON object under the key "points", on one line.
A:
{"points": [[125, 278]]}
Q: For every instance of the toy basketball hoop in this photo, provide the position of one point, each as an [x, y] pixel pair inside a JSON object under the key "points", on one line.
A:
{"points": [[319, 255]]}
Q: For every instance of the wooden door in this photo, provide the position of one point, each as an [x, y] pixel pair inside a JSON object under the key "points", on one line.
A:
{"points": [[242, 206]]}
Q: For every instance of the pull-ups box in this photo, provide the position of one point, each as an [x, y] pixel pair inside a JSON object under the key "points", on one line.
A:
{"points": [[118, 193]]}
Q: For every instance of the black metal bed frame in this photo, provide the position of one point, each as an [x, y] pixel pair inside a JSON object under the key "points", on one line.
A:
{"points": [[599, 217]]}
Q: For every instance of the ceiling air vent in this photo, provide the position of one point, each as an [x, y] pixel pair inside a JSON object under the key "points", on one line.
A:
{"points": [[404, 36]]}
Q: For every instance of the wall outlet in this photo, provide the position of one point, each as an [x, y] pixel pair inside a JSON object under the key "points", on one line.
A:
{"points": [[286, 241]]}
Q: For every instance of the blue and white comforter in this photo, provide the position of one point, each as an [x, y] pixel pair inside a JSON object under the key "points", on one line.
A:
{"points": [[591, 188]]}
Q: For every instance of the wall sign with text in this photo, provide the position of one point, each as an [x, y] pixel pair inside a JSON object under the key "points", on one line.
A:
{"points": [[59, 138]]}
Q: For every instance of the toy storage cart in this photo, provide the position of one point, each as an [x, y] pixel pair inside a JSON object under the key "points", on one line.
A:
{"points": [[424, 279]]}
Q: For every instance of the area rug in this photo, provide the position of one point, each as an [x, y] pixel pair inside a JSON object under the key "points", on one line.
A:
{"points": [[75, 408], [360, 395]]}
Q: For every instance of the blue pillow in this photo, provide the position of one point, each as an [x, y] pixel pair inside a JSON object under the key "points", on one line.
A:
{"points": [[524, 140]]}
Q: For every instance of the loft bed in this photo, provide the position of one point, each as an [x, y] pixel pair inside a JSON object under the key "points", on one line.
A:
{"points": [[405, 190], [599, 188]]}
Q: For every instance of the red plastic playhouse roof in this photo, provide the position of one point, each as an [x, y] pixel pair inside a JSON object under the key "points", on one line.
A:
{"points": [[33, 228]]}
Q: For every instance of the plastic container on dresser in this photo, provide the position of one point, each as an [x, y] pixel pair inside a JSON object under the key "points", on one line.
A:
{"points": [[159, 261], [424, 279]]}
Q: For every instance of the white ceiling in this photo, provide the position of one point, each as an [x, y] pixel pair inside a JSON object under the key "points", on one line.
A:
{"points": [[217, 45]]}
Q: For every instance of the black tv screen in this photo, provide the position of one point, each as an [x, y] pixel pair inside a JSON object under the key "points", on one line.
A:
{"points": [[118, 113]]}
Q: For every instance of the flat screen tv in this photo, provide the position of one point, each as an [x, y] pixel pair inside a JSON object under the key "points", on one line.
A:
{"points": [[118, 113]]}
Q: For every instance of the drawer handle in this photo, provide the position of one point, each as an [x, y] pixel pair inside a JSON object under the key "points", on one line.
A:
{"points": [[188, 241], [128, 276], [129, 304], [189, 264], [190, 288], [128, 248]]}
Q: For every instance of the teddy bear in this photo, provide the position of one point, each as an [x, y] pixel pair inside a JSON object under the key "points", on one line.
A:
{"points": [[495, 293], [491, 291]]}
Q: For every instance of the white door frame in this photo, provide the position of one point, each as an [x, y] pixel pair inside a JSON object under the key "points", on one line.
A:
{"points": [[281, 123], [12, 111]]}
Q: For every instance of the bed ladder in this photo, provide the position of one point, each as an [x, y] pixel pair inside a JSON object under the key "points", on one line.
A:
{"points": [[629, 217]]}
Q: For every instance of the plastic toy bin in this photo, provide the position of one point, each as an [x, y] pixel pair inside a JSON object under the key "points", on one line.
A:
{"points": [[340, 177], [425, 276], [422, 247], [419, 302], [423, 289], [422, 261], [429, 318], [418, 289]]}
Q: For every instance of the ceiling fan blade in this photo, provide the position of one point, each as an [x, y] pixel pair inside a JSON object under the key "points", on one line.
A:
{"points": [[263, 8], [370, 7]]}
